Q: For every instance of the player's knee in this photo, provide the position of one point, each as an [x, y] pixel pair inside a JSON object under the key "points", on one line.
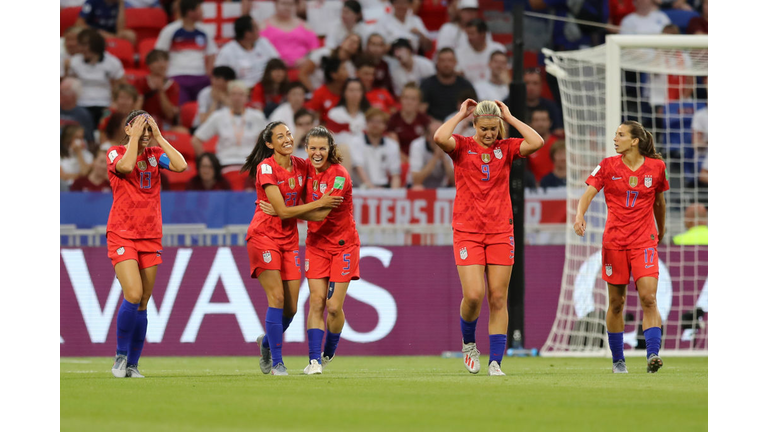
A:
{"points": [[276, 300], [497, 302], [648, 301], [334, 310], [616, 304], [473, 300], [317, 303]]}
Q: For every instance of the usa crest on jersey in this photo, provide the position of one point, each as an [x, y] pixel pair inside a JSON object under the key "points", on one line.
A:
{"points": [[323, 187], [608, 270], [152, 161], [142, 165], [301, 180], [648, 181], [497, 153], [485, 157], [267, 255], [463, 253]]}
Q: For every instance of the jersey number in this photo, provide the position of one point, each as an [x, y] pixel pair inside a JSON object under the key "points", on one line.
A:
{"points": [[291, 198], [145, 180], [633, 195], [345, 257], [487, 171]]}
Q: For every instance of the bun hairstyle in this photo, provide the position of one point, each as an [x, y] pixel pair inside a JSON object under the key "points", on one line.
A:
{"points": [[260, 150], [645, 139], [489, 109]]}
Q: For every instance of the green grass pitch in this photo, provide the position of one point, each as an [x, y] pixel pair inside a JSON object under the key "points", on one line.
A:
{"points": [[187, 394]]}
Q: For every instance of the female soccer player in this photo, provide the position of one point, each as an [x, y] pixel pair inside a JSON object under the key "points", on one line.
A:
{"points": [[134, 229], [483, 242], [634, 183], [273, 242], [333, 247]]}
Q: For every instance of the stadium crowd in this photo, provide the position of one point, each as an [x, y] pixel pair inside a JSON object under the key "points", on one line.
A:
{"points": [[383, 78]]}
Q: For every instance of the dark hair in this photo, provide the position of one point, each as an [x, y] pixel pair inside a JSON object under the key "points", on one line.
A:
{"points": [[260, 150], [445, 50], [539, 109], [294, 85], [400, 43], [498, 52], [94, 40], [364, 103], [479, 24], [355, 55], [243, 25], [322, 132], [355, 7], [114, 125], [330, 66], [186, 6], [156, 55], [365, 60], [271, 87], [65, 139], [214, 161], [301, 112], [645, 138], [224, 72], [556, 146], [468, 93]]}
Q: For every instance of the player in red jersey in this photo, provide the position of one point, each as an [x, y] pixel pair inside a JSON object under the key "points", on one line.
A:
{"points": [[483, 239], [634, 182], [134, 229], [273, 242], [333, 247]]}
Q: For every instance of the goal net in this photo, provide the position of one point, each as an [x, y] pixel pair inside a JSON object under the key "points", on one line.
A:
{"points": [[660, 81]]}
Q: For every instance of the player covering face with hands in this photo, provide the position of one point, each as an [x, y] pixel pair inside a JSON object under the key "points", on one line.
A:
{"points": [[333, 246], [483, 242], [633, 182], [273, 240], [134, 229]]}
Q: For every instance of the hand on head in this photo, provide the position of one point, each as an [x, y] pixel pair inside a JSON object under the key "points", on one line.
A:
{"points": [[467, 108], [137, 125]]}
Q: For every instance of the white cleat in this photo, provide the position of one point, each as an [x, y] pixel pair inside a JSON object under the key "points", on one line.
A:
{"points": [[313, 368], [494, 369], [327, 360], [119, 368], [471, 357], [133, 372]]}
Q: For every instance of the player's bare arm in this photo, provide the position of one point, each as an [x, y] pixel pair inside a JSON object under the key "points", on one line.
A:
{"points": [[580, 225], [533, 141], [284, 212], [128, 161], [316, 215], [444, 134], [177, 161], [660, 212]]}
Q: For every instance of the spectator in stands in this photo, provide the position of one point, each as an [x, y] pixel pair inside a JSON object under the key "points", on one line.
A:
{"points": [[349, 51], [107, 17], [556, 177], [237, 127], [160, 94], [473, 58], [69, 48], [533, 100], [248, 53], [348, 117], [289, 34], [700, 24], [376, 47], [125, 98], [376, 158], [70, 113], [329, 94], [294, 101], [191, 49], [304, 120], [440, 91], [496, 87], [647, 19], [96, 180], [452, 34], [99, 72], [351, 23], [618, 9], [540, 163], [429, 166], [75, 159], [408, 123], [466, 126], [208, 176], [402, 23], [142, 3], [379, 97], [674, 4], [214, 97], [696, 225], [567, 35], [113, 133], [408, 67], [270, 92]]}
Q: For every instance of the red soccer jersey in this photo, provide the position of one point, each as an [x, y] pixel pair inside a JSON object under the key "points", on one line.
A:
{"points": [[540, 163], [407, 132], [629, 196], [322, 101], [135, 212], [291, 185], [152, 104], [482, 202], [381, 98], [337, 230]]}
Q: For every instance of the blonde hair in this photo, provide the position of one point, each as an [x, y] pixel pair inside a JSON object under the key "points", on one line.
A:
{"points": [[237, 84], [486, 109]]}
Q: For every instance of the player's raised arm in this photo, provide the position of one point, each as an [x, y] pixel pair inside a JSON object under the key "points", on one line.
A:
{"points": [[580, 225], [135, 132], [177, 163], [285, 212], [533, 141], [444, 135]]}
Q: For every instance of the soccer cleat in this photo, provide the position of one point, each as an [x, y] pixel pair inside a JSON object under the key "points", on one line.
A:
{"points": [[265, 362], [620, 367], [654, 363], [118, 369], [313, 368], [132, 371], [471, 357], [327, 360], [494, 369], [279, 369]]}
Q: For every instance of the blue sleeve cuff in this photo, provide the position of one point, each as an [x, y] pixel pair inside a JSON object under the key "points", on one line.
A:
{"points": [[164, 161]]}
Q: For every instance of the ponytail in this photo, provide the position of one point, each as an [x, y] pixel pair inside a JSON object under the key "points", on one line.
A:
{"points": [[645, 138], [260, 150]]}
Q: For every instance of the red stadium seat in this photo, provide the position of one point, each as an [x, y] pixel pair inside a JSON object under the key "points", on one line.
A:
{"points": [[143, 48], [530, 59], [182, 142], [123, 50], [235, 178], [178, 181], [504, 39], [210, 145], [145, 22], [67, 18], [187, 113]]}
